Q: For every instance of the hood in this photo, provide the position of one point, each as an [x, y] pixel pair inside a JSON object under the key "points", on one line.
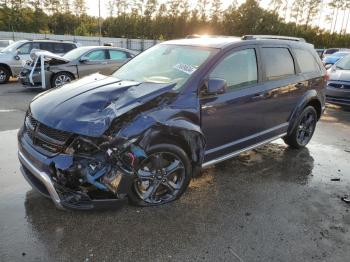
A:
{"points": [[339, 75], [88, 106], [48, 56]]}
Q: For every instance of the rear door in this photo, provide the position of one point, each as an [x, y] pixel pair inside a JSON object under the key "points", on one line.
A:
{"points": [[283, 86], [96, 61], [116, 59], [234, 120]]}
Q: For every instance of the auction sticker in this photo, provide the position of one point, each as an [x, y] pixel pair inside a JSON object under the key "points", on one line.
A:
{"points": [[185, 68]]}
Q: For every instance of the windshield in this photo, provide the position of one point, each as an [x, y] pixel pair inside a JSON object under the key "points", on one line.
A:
{"points": [[164, 64], [13, 47], [75, 53], [344, 63]]}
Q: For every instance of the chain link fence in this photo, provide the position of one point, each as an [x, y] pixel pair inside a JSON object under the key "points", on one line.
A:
{"points": [[133, 44]]}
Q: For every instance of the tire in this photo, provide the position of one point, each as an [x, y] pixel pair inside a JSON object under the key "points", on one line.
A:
{"points": [[176, 182], [303, 130], [4, 75], [61, 79]]}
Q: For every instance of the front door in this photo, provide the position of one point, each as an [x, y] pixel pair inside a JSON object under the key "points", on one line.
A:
{"points": [[95, 61], [234, 120]]}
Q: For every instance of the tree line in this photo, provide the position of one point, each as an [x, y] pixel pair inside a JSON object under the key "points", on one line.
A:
{"points": [[151, 19]]}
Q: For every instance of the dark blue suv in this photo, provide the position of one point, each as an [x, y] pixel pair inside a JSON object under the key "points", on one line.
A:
{"points": [[182, 105]]}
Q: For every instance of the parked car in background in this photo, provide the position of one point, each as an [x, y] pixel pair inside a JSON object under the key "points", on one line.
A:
{"points": [[5, 43], [331, 51], [332, 59], [338, 85], [13, 57], [143, 133], [75, 64]]}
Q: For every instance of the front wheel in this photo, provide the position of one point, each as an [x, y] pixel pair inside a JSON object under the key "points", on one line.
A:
{"points": [[303, 130], [61, 79], [162, 177], [4, 75]]}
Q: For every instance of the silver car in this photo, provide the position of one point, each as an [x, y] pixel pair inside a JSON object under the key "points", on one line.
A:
{"points": [[338, 85], [75, 64], [15, 55]]}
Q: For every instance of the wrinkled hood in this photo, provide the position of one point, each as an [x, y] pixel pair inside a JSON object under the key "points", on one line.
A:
{"points": [[339, 75], [35, 53], [88, 106]]}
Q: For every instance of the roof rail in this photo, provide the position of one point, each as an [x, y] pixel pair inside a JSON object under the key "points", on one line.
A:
{"points": [[276, 37]]}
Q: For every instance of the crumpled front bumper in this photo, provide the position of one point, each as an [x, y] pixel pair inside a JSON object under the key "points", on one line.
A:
{"points": [[36, 169]]}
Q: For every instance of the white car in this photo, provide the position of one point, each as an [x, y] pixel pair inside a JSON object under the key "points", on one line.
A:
{"points": [[5, 43], [14, 56]]}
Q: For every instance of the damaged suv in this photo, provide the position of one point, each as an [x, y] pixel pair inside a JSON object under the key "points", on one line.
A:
{"points": [[144, 132]]}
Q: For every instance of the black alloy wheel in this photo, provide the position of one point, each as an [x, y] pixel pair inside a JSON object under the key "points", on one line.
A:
{"points": [[162, 177], [304, 129]]}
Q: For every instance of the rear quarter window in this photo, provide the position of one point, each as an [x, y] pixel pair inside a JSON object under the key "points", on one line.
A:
{"points": [[278, 62], [68, 47], [306, 61]]}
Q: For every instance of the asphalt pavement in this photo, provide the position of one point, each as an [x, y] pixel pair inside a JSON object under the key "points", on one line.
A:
{"points": [[270, 204]]}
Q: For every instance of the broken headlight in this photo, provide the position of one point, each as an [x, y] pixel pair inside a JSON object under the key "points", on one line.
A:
{"points": [[82, 145]]}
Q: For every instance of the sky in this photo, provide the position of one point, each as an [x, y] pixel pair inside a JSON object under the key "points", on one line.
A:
{"points": [[92, 9]]}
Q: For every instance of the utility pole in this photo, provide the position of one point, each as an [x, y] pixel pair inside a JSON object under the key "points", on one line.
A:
{"points": [[99, 21]]}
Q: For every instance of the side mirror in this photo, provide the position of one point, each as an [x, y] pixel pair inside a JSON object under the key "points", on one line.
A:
{"points": [[84, 59], [216, 86], [328, 66], [16, 57]]}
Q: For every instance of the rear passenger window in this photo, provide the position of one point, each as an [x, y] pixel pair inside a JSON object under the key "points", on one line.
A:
{"points": [[117, 55], [278, 62], [58, 48], [47, 46], [68, 47], [306, 61], [238, 69], [97, 55]]}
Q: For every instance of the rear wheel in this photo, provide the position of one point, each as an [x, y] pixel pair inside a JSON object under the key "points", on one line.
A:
{"points": [[61, 79], [303, 130], [162, 177], [4, 75]]}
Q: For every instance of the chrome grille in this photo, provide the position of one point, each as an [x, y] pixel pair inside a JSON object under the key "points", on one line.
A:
{"points": [[44, 137]]}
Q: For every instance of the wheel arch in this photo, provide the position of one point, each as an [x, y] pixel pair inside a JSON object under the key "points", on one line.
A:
{"points": [[309, 99]]}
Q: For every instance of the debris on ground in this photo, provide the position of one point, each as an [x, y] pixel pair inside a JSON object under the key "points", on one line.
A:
{"points": [[346, 199], [335, 179]]}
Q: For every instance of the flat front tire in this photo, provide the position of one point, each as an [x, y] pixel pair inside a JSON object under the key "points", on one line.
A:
{"points": [[303, 130], [162, 177]]}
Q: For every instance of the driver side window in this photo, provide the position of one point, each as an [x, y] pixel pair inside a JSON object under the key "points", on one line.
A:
{"points": [[96, 55], [239, 69]]}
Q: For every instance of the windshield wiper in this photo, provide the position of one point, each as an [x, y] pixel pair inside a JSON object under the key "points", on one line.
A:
{"points": [[339, 67]]}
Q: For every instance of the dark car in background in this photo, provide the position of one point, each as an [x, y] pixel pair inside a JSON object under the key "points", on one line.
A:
{"points": [[338, 85], [75, 64], [14, 56], [182, 105]]}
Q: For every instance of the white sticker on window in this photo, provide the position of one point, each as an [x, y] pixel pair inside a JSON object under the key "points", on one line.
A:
{"points": [[185, 68]]}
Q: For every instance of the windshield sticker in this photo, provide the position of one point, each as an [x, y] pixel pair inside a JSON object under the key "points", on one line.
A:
{"points": [[185, 68]]}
